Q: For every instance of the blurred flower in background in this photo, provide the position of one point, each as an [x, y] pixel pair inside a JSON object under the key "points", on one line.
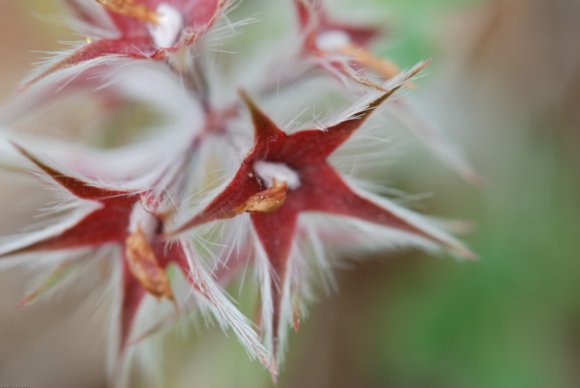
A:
{"points": [[505, 83]]}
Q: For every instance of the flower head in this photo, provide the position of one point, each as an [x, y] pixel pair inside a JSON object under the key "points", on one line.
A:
{"points": [[286, 202]]}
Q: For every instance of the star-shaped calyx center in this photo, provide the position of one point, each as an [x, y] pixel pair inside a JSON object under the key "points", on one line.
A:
{"points": [[334, 41]]}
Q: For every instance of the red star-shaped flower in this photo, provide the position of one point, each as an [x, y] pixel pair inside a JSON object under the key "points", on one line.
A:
{"points": [[340, 48], [135, 222], [133, 29], [284, 176], [312, 16]]}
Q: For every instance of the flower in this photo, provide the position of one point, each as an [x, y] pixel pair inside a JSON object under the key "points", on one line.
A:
{"points": [[284, 176], [340, 48], [137, 29]]}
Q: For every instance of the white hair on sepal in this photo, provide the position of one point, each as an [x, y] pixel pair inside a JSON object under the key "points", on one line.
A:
{"points": [[147, 359], [38, 90], [261, 65], [319, 89], [222, 26], [96, 308], [199, 171], [222, 308], [400, 197], [132, 166], [292, 287], [160, 79], [428, 132], [396, 82], [199, 158], [68, 154], [148, 331], [368, 152], [226, 247], [101, 24], [446, 243], [206, 172], [240, 135], [61, 200], [148, 336], [226, 29], [68, 74], [345, 238], [209, 68], [297, 291], [315, 252], [182, 108], [146, 353], [197, 202], [89, 181], [29, 261], [265, 67], [286, 306], [453, 246], [263, 273], [115, 365], [304, 104], [206, 246], [15, 243], [208, 184], [179, 173], [354, 81], [53, 276], [120, 367], [236, 235]]}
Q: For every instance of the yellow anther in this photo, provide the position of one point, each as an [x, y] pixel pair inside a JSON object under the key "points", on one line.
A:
{"points": [[266, 201], [144, 266], [380, 66], [131, 9]]}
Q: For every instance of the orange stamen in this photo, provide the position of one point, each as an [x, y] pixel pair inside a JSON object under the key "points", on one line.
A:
{"points": [[131, 9], [144, 266], [266, 201], [381, 66]]}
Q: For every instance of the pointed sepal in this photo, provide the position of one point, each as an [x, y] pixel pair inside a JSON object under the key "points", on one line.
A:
{"points": [[265, 129], [90, 54], [75, 186]]}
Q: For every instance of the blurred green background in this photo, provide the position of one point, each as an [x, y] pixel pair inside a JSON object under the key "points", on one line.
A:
{"points": [[505, 85]]}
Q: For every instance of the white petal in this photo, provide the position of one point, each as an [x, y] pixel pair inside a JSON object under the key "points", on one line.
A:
{"points": [[169, 28]]}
